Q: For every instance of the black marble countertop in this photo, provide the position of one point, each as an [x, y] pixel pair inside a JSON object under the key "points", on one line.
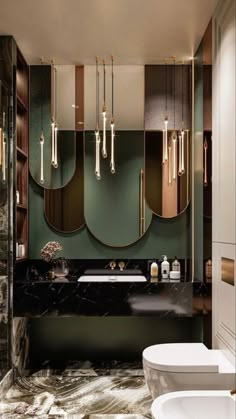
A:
{"points": [[68, 297]]}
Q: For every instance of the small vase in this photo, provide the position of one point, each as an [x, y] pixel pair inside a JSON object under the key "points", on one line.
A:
{"points": [[60, 267]]}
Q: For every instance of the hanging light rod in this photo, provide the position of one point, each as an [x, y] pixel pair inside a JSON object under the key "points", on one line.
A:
{"points": [[97, 133], [112, 161], [104, 113]]}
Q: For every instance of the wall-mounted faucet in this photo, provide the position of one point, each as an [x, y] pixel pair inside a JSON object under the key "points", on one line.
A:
{"points": [[233, 392], [121, 265], [112, 265]]}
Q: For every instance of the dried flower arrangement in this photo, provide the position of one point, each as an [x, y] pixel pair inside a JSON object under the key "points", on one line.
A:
{"points": [[49, 251]]}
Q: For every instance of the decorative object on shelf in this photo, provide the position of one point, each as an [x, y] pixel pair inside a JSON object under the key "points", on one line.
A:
{"points": [[60, 267], [50, 250], [165, 131], [97, 133], [112, 162], [21, 250], [104, 114]]}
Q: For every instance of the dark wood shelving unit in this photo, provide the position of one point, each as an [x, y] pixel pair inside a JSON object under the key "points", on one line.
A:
{"points": [[22, 164]]}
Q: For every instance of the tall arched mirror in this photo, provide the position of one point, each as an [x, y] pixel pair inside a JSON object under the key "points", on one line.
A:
{"points": [[167, 138], [115, 209], [64, 207]]}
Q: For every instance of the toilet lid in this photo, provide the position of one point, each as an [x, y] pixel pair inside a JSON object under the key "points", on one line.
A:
{"points": [[180, 357]]}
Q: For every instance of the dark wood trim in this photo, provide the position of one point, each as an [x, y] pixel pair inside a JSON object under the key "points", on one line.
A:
{"points": [[79, 98]]}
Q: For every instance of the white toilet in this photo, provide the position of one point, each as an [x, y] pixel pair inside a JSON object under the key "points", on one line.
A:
{"points": [[186, 366]]}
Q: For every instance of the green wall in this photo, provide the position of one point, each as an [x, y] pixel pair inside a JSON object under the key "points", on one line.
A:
{"points": [[169, 237]]}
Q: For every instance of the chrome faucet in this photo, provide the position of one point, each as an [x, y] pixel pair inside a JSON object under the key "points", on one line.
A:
{"points": [[233, 392]]}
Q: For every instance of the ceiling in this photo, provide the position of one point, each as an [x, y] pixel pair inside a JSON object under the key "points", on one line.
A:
{"points": [[134, 31]]}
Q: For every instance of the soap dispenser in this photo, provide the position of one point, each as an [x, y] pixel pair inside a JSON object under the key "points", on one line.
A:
{"points": [[154, 270], [165, 268], [176, 265]]}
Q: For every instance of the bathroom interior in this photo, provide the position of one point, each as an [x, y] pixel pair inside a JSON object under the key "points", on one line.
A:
{"points": [[118, 209]]}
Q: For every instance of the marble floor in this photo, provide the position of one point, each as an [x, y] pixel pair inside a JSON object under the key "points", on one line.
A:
{"points": [[80, 391]]}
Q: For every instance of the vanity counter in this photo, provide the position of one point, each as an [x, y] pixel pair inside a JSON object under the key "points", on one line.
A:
{"points": [[69, 297]]}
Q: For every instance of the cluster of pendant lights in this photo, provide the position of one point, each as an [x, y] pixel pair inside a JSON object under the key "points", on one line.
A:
{"points": [[54, 125], [175, 144], [104, 122]]}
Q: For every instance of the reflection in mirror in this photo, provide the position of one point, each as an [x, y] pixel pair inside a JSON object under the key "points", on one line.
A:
{"points": [[64, 207], [3, 143], [115, 209], [167, 137], [167, 193], [40, 147]]}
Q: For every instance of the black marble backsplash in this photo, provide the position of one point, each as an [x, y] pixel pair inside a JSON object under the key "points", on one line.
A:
{"points": [[37, 269]]}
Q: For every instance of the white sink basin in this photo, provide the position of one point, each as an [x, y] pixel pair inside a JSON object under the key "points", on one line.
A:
{"points": [[202, 404], [112, 278]]}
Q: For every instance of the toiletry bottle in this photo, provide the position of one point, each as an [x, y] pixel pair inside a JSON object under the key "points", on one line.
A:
{"points": [[165, 268], [154, 270], [176, 265], [21, 250], [208, 270]]}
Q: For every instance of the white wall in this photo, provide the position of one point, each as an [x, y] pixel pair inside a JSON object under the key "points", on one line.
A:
{"points": [[128, 96], [224, 174]]}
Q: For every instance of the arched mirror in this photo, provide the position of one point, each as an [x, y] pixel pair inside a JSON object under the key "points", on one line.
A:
{"points": [[167, 138], [115, 209], [42, 170], [64, 207], [167, 192]]}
